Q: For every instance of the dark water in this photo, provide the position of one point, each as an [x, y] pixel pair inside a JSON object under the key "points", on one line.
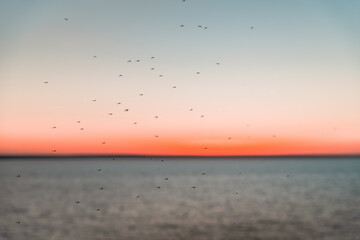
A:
{"points": [[235, 199]]}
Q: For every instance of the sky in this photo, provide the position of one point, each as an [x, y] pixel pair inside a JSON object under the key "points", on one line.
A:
{"points": [[205, 77]]}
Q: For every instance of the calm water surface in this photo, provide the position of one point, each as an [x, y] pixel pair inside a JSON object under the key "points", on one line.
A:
{"points": [[235, 199]]}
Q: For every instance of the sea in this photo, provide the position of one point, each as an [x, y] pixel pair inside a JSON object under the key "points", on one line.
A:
{"points": [[179, 198]]}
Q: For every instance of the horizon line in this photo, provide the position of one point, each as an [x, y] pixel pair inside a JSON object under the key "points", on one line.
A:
{"points": [[2, 156]]}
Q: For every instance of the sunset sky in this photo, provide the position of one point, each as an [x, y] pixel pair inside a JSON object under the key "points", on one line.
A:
{"points": [[261, 77]]}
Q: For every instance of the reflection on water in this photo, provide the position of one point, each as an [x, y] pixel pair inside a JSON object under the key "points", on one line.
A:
{"points": [[233, 199]]}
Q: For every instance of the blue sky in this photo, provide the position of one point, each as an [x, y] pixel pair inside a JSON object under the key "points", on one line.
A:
{"points": [[289, 68]]}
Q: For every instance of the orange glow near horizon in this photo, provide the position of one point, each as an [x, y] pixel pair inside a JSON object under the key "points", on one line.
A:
{"points": [[176, 147]]}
